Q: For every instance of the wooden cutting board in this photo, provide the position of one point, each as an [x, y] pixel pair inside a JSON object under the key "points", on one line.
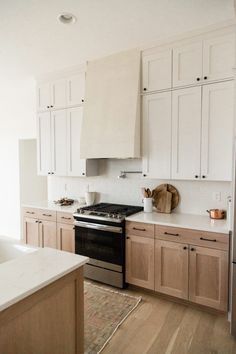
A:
{"points": [[165, 198]]}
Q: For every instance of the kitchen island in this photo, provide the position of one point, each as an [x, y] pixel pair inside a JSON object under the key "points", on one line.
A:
{"points": [[41, 300]]}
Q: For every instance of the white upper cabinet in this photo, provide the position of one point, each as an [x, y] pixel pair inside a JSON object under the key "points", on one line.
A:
{"points": [[76, 89], [43, 97], [186, 133], [58, 94], [217, 131], [207, 60], [157, 135], [187, 64], [157, 71], [59, 139], [44, 143], [218, 57], [76, 166]]}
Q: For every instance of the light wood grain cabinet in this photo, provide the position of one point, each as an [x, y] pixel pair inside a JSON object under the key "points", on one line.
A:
{"points": [[66, 237], [171, 268], [31, 231], [208, 277], [140, 261], [47, 232]]}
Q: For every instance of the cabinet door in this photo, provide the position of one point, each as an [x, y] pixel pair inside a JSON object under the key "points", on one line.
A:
{"points": [[43, 96], [58, 94], [186, 133], [66, 237], [44, 143], [217, 131], [76, 166], [157, 71], [187, 64], [218, 57], [48, 233], [140, 261], [59, 142], [31, 232], [171, 268], [157, 135], [76, 89], [208, 277]]}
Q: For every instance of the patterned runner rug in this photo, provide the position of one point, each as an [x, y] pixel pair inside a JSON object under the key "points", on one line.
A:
{"points": [[105, 310]]}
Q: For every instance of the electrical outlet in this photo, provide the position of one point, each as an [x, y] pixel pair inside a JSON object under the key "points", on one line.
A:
{"points": [[217, 196]]}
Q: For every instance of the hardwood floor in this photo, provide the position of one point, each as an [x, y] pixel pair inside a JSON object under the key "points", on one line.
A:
{"points": [[159, 326]]}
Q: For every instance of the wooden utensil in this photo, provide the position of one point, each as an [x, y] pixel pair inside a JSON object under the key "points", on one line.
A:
{"points": [[158, 202]]}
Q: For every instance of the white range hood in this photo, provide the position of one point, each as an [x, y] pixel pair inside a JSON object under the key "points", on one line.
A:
{"points": [[111, 121]]}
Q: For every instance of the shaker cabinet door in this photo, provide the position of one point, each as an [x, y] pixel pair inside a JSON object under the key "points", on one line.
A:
{"points": [[171, 268], [186, 133], [43, 96], [157, 71], [59, 142], [157, 135], [76, 89], [208, 277], [58, 94], [217, 131], [76, 166], [218, 57], [140, 261], [187, 64], [44, 143], [66, 237], [31, 232], [48, 233]]}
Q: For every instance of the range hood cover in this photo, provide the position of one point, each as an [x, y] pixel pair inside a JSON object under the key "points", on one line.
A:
{"points": [[111, 121]]}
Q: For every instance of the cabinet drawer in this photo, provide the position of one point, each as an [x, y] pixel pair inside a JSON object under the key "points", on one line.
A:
{"points": [[30, 212], [47, 215], [139, 229], [65, 218], [193, 237]]}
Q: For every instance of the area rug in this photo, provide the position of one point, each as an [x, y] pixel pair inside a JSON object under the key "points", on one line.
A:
{"points": [[105, 311]]}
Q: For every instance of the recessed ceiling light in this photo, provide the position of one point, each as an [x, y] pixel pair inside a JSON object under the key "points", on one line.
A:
{"points": [[66, 18]]}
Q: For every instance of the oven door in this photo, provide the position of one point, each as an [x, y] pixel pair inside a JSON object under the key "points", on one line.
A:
{"points": [[99, 242]]}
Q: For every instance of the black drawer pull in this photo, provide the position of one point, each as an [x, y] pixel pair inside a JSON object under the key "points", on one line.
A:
{"points": [[207, 239], [63, 217], [135, 228], [30, 212], [47, 214], [169, 233]]}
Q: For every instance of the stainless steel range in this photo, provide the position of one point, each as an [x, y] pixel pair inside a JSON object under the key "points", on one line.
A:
{"points": [[100, 235]]}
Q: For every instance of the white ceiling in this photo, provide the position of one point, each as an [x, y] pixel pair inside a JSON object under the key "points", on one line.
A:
{"points": [[32, 41]]}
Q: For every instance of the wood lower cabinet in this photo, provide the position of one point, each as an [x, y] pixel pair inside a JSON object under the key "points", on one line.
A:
{"points": [[208, 277], [171, 268], [66, 237], [140, 261], [48, 230], [31, 232]]}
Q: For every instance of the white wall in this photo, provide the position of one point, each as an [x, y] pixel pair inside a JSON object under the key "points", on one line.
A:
{"points": [[17, 120], [196, 196]]}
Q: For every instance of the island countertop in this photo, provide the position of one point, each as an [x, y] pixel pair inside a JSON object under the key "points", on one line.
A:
{"points": [[187, 221], [26, 274]]}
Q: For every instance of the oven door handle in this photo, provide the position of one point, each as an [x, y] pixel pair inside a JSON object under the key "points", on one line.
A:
{"points": [[100, 227]]}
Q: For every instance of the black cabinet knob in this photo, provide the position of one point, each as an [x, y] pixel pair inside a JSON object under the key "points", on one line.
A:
{"points": [[203, 176], [49, 173], [51, 106], [184, 248], [83, 174], [48, 107], [144, 89], [205, 77], [52, 173], [198, 78], [144, 175], [82, 100], [192, 249], [196, 176]]}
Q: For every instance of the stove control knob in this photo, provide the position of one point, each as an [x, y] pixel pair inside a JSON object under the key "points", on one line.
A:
{"points": [[81, 211]]}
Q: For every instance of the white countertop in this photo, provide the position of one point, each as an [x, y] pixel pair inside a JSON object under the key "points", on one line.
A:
{"points": [[30, 272], [187, 221], [50, 205]]}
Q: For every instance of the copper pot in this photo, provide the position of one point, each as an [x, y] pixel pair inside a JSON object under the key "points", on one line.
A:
{"points": [[216, 213]]}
